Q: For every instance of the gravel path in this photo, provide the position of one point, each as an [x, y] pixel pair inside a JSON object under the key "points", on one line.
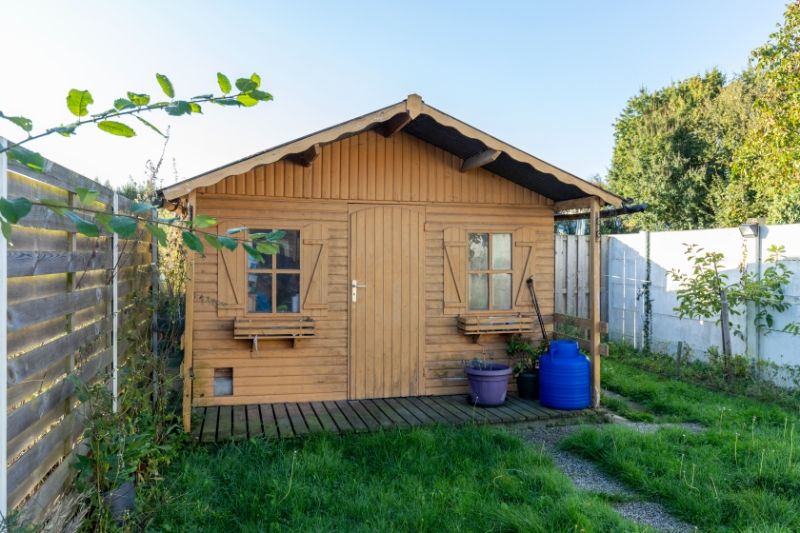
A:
{"points": [[588, 477]]}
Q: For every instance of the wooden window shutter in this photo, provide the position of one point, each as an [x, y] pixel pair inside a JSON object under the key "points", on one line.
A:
{"points": [[455, 271], [231, 282], [314, 266], [523, 265]]}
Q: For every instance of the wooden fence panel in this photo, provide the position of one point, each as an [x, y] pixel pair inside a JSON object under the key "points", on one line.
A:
{"points": [[59, 318]]}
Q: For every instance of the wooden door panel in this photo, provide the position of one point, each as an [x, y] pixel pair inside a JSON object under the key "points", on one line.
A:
{"points": [[386, 321]]}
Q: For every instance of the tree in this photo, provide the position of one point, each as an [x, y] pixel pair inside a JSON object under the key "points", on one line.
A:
{"points": [[674, 149], [768, 162]]}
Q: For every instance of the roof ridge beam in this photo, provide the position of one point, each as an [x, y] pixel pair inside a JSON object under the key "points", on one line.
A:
{"points": [[480, 159]]}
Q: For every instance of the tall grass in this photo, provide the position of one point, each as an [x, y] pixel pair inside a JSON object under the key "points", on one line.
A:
{"points": [[741, 473], [425, 479]]}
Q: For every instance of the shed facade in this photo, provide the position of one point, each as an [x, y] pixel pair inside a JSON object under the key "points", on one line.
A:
{"points": [[405, 228]]}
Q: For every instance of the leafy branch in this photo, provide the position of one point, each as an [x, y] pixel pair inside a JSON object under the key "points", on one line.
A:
{"points": [[133, 105], [249, 94]]}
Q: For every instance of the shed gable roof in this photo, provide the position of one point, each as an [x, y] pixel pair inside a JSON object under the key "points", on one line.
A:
{"points": [[428, 124]]}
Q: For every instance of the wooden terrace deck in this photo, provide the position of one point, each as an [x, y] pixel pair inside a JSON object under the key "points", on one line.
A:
{"points": [[282, 420]]}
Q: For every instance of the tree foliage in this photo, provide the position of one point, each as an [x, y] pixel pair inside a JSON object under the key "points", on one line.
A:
{"points": [[708, 152]]}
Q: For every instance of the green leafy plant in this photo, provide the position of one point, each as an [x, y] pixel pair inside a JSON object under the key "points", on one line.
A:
{"points": [[707, 292], [524, 353]]}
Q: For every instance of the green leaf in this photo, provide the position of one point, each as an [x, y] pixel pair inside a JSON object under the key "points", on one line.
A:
{"points": [[32, 160], [166, 85], [195, 107], [228, 242], [224, 83], [139, 99], [55, 205], [116, 128], [252, 252], [234, 231], [267, 248], [83, 226], [14, 210], [228, 102], [6, 229], [123, 103], [193, 242], [255, 78], [276, 235], [123, 226], [157, 232], [78, 102], [23, 122], [178, 108], [86, 196], [246, 100], [204, 221], [66, 131], [140, 207], [202, 97], [261, 96], [213, 240], [149, 125], [246, 85], [104, 220]]}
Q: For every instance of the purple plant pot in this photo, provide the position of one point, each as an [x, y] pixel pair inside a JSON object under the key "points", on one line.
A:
{"points": [[488, 385]]}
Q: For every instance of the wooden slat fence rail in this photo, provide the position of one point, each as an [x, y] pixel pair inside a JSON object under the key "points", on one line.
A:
{"points": [[572, 276], [59, 287]]}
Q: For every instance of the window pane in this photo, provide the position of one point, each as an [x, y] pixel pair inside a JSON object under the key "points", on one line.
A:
{"points": [[501, 291], [289, 254], [501, 251], [252, 263], [478, 251], [288, 293], [478, 291], [259, 293]]}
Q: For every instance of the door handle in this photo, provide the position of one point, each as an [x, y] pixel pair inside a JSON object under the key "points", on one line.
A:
{"points": [[354, 286]]}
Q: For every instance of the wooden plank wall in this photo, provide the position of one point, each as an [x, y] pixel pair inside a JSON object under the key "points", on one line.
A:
{"points": [[59, 323], [371, 167], [365, 168]]}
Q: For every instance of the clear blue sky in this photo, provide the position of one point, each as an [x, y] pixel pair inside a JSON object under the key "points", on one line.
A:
{"points": [[547, 77]]}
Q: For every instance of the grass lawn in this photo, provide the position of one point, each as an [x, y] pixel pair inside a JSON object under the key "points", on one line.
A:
{"points": [[742, 473], [425, 479]]}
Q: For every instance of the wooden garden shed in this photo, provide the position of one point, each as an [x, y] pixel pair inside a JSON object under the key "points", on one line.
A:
{"points": [[409, 239]]}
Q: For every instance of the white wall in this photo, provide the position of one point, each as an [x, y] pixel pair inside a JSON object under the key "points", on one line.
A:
{"points": [[625, 274]]}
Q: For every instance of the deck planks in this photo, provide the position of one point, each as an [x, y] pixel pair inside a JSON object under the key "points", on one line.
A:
{"points": [[286, 420]]}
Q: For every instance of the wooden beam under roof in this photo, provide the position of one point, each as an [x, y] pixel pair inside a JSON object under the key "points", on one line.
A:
{"points": [[480, 159], [307, 156], [394, 124]]}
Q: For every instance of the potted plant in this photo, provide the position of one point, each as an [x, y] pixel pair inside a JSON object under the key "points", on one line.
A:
{"points": [[526, 365], [488, 381]]}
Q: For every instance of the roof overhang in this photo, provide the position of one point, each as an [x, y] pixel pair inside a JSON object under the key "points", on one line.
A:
{"points": [[475, 147]]}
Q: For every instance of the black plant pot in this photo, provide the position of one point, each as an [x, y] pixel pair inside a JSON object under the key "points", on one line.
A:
{"points": [[528, 385]]}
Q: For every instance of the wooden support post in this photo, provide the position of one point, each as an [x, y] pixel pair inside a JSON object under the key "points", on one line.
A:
{"points": [[479, 160], [394, 124], [115, 311], [3, 343], [154, 307], [594, 279], [188, 331], [307, 156]]}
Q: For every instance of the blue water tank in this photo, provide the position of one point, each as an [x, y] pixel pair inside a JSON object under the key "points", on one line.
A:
{"points": [[564, 377]]}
